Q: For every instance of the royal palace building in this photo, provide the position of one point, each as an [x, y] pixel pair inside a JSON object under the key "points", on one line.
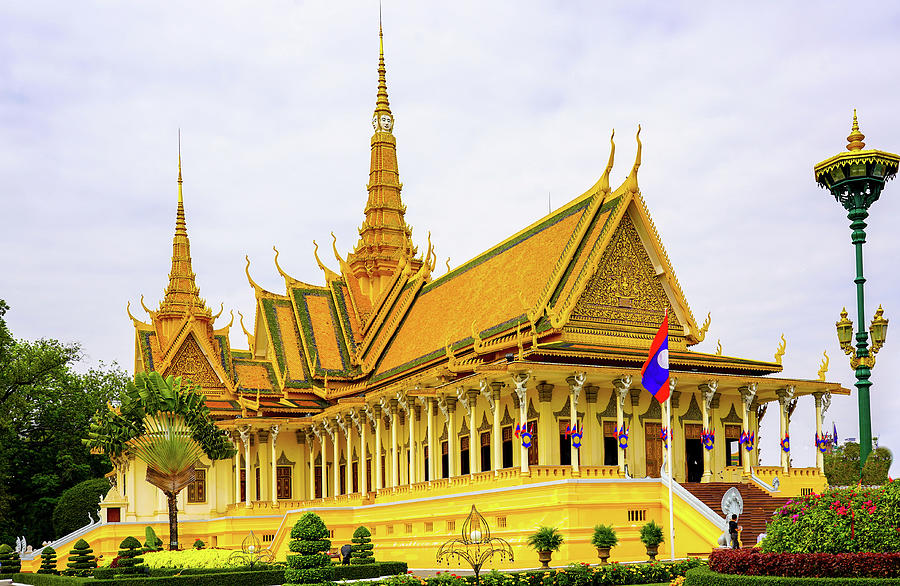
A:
{"points": [[388, 397]]}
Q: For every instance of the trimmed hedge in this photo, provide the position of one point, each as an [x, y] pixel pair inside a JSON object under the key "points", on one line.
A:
{"points": [[254, 578], [79, 505], [82, 560], [584, 575], [752, 562], [48, 561], [130, 562], [707, 577], [9, 560], [376, 570]]}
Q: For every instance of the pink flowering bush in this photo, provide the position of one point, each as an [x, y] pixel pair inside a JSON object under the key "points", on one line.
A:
{"points": [[838, 521]]}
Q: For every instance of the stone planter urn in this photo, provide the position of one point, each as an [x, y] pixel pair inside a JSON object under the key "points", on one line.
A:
{"points": [[652, 551], [544, 558], [603, 554]]}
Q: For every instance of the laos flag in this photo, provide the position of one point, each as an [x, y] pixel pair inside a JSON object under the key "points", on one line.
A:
{"points": [[655, 373]]}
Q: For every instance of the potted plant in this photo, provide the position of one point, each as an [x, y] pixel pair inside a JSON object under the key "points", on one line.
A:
{"points": [[545, 541], [652, 536], [604, 539]]}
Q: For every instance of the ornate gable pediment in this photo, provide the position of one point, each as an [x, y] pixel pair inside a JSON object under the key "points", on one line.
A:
{"points": [[625, 288], [191, 363]]}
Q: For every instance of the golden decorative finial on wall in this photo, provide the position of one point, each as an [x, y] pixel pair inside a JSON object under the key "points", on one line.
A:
{"points": [[855, 140], [779, 353], [250, 337], [719, 348], [823, 369], [631, 182]]}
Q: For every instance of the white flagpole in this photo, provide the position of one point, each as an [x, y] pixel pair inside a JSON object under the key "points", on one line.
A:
{"points": [[669, 467]]}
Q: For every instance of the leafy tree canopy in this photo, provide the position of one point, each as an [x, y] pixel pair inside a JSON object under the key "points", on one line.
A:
{"points": [[842, 466], [45, 408]]}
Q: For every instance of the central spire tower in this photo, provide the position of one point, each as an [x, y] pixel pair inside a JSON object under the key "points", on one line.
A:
{"points": [[384, 237]]}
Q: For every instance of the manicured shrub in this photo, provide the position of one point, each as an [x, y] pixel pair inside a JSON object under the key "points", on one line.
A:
{"points": [[812, 565], [838, 521], [364, 571], [604, 536], [151, 541], [230, 578], [78, 506], [48, 561], [82, 560], [193, 558], [310, 563], [707, 577], [199, 544], [361, 550], [130, 563], [9, 560]]}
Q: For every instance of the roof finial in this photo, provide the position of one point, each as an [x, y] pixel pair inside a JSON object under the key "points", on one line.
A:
{"points": [[855, 140], [383, 120], [179, 166]]}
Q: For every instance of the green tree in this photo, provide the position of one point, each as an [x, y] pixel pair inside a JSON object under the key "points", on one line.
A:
{"points": [[842, 466], [44, 413], [78, 505], [164, 422], [361, 550], [9, 560], [310, 563]]}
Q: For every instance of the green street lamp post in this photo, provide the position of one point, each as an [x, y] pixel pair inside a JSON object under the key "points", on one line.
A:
{"points": [[856, 178]]}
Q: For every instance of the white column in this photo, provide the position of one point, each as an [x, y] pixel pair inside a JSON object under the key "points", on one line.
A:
{"points": [[474, 444], [823, 402], [347, 428], [376, 453], [237, 471], [492, 395], [748, 393], [245, 439], [362, 424], [412, 475], [785, 397], [521, 380], [708, 390], [452, 437], [621, 385], [336, 456], [311, 452], [395, 440], [576, 383], [274, 430], [432, 455]]}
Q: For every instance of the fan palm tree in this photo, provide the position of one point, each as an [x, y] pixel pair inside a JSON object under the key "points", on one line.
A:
{"points": [[165, 423]]}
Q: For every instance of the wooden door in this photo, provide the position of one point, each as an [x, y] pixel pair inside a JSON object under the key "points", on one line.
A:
{"points": [[283, 476], [653, 448]]}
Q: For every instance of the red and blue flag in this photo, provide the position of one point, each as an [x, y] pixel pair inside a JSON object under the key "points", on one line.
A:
{"points": [[655, 372]]}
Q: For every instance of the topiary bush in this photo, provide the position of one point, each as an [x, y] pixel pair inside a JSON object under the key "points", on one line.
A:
{"points": [[9, 560], [48, 561], [361, 550], [82, 560], [129, 561], [310, 563], [199, 544], [846, 520], [151, 541], [78, 505]]}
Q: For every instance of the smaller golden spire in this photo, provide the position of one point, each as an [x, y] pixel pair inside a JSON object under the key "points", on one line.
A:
{"points": [[855, 140]]}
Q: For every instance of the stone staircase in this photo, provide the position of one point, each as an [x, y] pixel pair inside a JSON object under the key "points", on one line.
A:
{"points": [[758, 505]]}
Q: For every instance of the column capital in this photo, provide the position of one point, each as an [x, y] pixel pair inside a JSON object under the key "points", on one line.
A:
{"points": [[301, 437], [451, 404], [244, 432], [274, 430], [576, 380], [545, 391], [708, 389], [488, 395], [748, 393], [591, 392]]}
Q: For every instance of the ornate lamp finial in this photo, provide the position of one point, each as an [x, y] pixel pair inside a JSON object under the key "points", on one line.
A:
{"points": [[855, 140]]}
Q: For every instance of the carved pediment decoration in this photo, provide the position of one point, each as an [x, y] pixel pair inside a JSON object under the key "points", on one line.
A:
{"points": [[693, 412], [625, 289], [190, 363]]}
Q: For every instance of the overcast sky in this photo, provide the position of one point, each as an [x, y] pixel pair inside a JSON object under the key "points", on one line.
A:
{"points": [[496, 104]]}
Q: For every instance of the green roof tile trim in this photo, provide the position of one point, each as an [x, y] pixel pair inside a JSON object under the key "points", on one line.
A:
{"points": [[300, 296], [278, 343], [607, 206], [225, 354], [269, 372], [146, 352], [337, 289], [503, 247], [245, 354]]}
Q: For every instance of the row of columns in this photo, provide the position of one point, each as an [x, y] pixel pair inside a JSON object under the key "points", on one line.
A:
{"points": [[356, 423]]}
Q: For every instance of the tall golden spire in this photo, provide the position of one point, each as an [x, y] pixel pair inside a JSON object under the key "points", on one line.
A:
{"points": [[384, 237], [855, 140], [182, 295]]}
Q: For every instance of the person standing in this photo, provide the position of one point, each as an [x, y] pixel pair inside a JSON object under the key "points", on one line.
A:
{"points": [[733, 532]]}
